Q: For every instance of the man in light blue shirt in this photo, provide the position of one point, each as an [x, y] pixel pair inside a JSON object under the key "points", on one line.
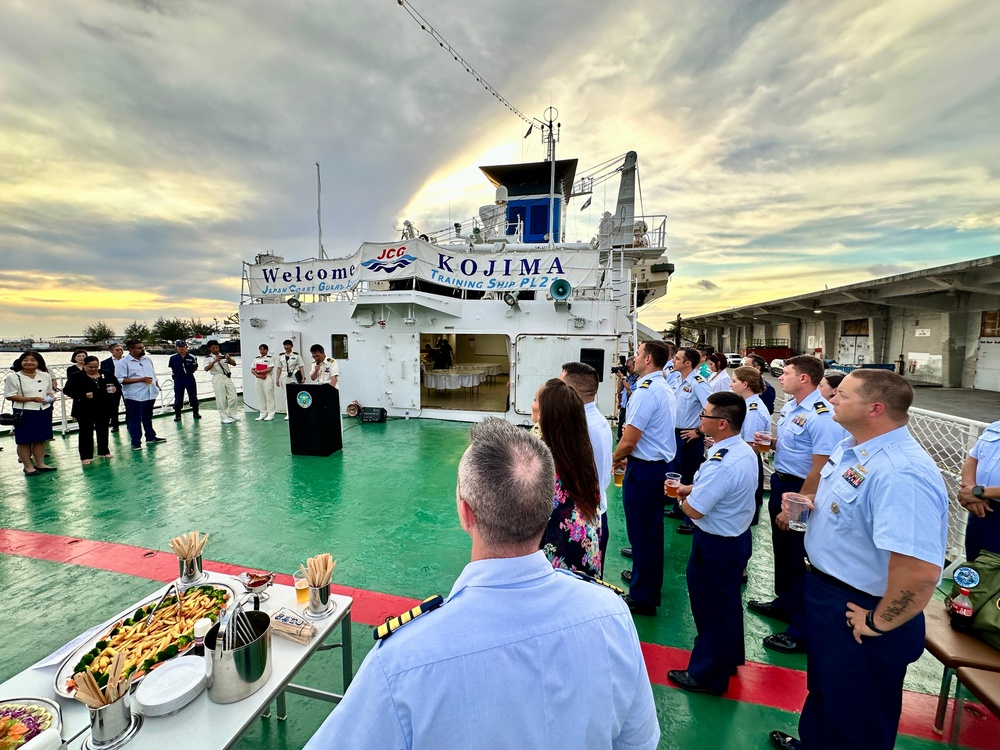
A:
{"points": [[498, 665], [585, 380], [876, 539], [137, 374], [721, 505], [807, 435], [647, 445]]}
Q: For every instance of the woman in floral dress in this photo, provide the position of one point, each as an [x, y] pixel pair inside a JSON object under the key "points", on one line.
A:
{"points": [[571, 539]]}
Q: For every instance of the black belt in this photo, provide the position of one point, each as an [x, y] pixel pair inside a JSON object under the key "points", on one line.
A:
{"points": [[684, 429], [645, 461], [835, 582], [788, 477]]}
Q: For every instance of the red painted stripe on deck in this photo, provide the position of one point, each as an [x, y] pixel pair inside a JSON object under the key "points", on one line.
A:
{"points": [[762, 684]]}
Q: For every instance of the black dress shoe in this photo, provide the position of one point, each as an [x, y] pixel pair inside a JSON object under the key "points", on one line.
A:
{"points": [[769, 609], [627, 552], [114, 428], [197, 415], [156, 440], [46, 468], [685, 528], [627, 576], [675, 512], [684, 681], [639, 609], [177, 417], [784, 741], [781, 643]]}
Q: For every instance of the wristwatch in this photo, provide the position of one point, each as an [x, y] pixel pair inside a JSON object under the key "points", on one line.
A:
{"points": [[977, 491]]}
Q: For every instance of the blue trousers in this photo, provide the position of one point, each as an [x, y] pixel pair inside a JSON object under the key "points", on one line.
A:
{"points": [[983, 534], [789, 561], [714, 578], [689, 457], [855, 691], [642, 498], [182, 384], [603, 538], [139, 417]]}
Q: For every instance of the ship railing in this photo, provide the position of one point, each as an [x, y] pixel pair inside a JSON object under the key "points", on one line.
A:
{"points": [[462, 233], [948, 440], [63, 423]]}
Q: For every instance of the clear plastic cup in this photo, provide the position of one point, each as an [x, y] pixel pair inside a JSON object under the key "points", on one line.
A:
{"points": [[797, 510], [671, 482]]}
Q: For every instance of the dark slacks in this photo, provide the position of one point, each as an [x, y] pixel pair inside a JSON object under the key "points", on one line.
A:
{"points": [[983, 534], [789, 560], [88, 426], [758, 496], [604, 542], [642, 498], [714, 578], [689, 457], [139, 418], [855, 691], [114, 407], [185, 384]]}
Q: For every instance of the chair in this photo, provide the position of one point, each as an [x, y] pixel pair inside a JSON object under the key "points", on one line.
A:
{"points": [[955, 650], [982, 685]]}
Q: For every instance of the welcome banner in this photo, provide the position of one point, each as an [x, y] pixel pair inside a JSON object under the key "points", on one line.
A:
{"points": [[483, 269]]}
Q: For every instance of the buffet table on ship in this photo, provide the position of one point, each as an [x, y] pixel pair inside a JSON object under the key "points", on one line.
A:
{"points": [[453, 379], [201, 724]]}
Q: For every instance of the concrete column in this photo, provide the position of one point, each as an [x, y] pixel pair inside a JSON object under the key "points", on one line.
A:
{"points": [[831, 337], [953, 349], [878, 330]]}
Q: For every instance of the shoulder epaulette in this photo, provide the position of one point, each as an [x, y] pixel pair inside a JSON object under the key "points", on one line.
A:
{"points": [[717, 456], [590, 579], [752, 407], [329, 359], [699, 379], [645, 383], [821, 408], [392, 624]]}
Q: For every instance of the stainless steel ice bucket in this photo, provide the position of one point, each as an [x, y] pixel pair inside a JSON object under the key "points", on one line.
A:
{"points": [[238, 673]]}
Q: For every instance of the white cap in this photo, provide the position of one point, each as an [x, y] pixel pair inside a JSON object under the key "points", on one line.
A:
{"points": [[202, 627]]}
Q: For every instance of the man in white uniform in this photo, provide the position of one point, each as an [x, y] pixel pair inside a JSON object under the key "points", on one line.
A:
{"points": [[221, 366], [263, 366], [288, 369]]}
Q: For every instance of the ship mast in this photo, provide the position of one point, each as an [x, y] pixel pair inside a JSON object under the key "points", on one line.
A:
{"points": [[319, 212]]}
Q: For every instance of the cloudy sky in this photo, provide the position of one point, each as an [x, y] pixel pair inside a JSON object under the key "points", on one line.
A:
{"points": [[148, 147]]}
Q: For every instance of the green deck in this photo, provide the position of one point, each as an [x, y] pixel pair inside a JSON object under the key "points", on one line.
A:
{"points": [[385, 508]]}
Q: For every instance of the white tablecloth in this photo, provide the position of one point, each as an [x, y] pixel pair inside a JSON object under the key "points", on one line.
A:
{"points": [[453, 379], [490, 369]]}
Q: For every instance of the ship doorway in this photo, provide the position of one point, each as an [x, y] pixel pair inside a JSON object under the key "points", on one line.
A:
{"points": [[464, 371]]}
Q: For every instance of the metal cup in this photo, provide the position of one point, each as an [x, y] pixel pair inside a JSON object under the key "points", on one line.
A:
{"points": [[319, 599], [190, 570], [110, 722]]}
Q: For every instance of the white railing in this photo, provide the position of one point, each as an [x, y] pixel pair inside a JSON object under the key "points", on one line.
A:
{"points": [[947, 440], [63, 423]]}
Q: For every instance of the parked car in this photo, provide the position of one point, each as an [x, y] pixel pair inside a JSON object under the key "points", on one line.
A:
{"points": [[777, 367], [733, 359]]}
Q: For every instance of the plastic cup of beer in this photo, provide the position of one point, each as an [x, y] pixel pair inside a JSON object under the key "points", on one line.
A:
{"points": [[798, 510], [619, 476], [762, 442], [301, 587], [671, 483]]}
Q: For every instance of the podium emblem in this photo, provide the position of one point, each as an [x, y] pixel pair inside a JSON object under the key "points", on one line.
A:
{"points": [[304, 399]]}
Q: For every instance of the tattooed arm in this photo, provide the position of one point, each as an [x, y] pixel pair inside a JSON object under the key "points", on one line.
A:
{"points": [[911, 585]]}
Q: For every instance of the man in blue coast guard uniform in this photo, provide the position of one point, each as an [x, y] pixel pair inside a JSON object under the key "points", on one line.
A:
{"points": [[183, 365], [509, 659], [646, 449], [807, 435], [980, 494], [876, 540], [721, 504], [692, 395]]}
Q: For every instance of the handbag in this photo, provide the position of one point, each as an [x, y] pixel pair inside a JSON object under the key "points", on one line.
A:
{"points": [[14, 418], [985, 596]]}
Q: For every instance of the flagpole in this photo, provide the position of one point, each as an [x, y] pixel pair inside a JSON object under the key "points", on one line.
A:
{"points": [[319, 211]]}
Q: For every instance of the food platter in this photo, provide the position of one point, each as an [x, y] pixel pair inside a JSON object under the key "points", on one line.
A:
{"points": [[43, 715], [169, 634]]}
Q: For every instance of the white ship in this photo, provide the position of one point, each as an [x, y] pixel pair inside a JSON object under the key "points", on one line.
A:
{"points": [[511, 304]]}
